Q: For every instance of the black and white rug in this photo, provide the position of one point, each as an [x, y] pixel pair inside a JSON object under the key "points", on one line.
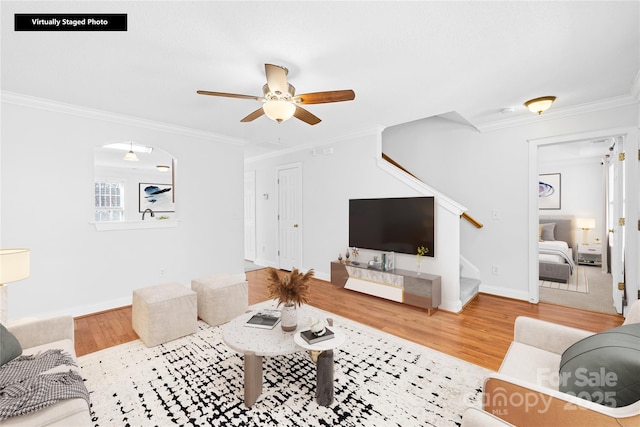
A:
{"points": [[380, 380]]}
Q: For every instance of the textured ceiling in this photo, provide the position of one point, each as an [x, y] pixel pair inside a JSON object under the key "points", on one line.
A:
{"points": [[405, 60]]}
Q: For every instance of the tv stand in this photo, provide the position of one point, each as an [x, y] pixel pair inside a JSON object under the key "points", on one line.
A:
{"points": [[408, 287]]}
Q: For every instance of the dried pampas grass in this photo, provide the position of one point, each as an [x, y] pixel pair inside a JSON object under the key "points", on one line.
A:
{"points": [[289, 288]]}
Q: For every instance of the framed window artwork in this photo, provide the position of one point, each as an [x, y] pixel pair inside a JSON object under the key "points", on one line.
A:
{"points": [[549, 191], [156, 197]]}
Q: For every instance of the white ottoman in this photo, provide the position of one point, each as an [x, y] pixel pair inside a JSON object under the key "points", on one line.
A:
{"points": [[164, 312], [221, 297]]}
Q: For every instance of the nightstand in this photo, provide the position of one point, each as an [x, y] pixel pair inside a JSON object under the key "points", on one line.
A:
{"points": [[590, 254]]}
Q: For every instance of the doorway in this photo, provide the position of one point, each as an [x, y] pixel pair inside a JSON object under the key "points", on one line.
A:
{"points": [[289, 184], [608, 142]]}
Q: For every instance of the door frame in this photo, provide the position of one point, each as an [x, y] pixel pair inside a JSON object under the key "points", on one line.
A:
{"points": [[630, 136]]}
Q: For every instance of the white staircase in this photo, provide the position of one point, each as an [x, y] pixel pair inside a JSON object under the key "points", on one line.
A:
{"points": [[469, 288]]}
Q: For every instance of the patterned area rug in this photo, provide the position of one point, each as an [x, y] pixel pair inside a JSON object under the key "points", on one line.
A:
{"points": [[578, 282], [380, 380]]}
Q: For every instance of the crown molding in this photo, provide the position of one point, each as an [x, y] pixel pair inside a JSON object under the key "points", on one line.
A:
{"points": [[85, 112], [635, 88], [376, 130], [618, 101]]}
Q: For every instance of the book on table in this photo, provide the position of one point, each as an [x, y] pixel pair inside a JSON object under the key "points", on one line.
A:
{"points": [[312, 338], [265, 319]]}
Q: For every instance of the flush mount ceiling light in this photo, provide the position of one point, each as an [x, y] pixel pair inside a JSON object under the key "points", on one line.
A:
{"points": [[538, 105], [163, 168], [131, 156]]}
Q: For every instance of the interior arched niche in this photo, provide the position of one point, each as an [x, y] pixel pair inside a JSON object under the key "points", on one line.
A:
{"points": [[155, 167]]}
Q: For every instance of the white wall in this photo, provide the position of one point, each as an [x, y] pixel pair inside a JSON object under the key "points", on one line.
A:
{"points": [[46, 205], [581, 192], [488, 173], [329, 181]]}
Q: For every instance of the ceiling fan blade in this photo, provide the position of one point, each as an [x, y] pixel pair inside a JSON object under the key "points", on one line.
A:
{"points": [[276, 78], [228, 95], [251, 117], [306, 116], [324, 97]]}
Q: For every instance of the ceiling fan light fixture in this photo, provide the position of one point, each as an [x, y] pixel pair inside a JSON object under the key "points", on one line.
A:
{"points": [[278, 110], [538, 105]]}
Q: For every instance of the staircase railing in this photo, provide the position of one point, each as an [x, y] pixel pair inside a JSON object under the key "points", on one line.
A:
{"points": [[464, 215]]}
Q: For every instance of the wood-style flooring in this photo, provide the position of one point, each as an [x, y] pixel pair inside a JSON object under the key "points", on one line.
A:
{"points": [[480, 334]]}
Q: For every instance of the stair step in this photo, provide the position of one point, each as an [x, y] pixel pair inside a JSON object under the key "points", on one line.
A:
{"points": [[469, 287]]}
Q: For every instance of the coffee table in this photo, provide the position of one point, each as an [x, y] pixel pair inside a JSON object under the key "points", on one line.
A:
{"points": [[255, 343]]}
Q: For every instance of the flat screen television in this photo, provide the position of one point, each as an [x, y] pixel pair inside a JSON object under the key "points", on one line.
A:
{"points": [[392, 224]]}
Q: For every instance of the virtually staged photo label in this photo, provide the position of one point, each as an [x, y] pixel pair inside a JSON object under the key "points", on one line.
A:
{"points": [[71, 22]]}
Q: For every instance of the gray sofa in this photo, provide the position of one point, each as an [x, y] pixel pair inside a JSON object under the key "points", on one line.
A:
{"points": [[37, 336]]}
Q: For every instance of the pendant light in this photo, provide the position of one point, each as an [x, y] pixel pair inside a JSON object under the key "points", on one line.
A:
{"points": [[131, 156]]}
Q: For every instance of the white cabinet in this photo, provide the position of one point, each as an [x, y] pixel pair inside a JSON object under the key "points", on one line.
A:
{"points": [[590, 254]]}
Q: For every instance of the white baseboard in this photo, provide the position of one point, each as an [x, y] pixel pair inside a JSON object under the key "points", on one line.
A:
{"points": [[501, 292]]}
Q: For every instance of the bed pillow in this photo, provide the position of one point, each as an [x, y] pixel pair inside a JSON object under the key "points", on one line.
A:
{"points": [[548, 231], [9, 346], [604, 368]]}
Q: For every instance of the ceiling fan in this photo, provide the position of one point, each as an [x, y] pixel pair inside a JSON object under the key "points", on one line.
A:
{"points": [[280, 101]]}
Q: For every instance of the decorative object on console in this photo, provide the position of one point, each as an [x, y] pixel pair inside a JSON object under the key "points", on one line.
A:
{"points": [[422, 251], [339, 257], [291, 290], [346, 256], [355, 253], [14, 266], [586, 224]]}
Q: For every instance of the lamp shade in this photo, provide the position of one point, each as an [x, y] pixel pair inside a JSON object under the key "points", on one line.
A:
{"points": [[586, 223], [279, 110], [14, 265]]}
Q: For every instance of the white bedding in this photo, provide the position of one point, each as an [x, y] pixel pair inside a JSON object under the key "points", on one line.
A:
{"points": [[555, 251]]}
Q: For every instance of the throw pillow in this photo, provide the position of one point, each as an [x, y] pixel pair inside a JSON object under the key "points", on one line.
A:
{"points": [[9, 346], [604, 368], [549, 231]]}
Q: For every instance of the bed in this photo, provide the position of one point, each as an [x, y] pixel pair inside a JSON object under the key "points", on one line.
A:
{"points": [[555, 248]]}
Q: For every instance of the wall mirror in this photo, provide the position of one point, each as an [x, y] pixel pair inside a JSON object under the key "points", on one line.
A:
{"points": [[133, 182]]}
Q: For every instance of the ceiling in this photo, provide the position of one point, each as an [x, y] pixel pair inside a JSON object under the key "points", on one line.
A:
{"points": [[404, 60]]}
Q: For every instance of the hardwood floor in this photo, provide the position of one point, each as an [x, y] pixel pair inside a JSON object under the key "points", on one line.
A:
{"points": [[480, 334]]}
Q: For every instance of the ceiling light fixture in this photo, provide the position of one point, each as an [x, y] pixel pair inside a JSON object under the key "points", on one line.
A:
{"points": [[538, 105], [131, 156], [278, 110], [163, 168]]}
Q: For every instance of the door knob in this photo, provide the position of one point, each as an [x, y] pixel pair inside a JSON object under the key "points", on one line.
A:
{"points": [[295, 225], [611, 230]]}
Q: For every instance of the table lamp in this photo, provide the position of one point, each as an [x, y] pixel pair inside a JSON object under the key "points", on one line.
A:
{"points": [[586, 224], [14, 266]]}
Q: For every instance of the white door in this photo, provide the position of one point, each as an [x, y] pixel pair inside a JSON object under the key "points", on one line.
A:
{"points": [[250, 215], [289, 217], [615, 227]]}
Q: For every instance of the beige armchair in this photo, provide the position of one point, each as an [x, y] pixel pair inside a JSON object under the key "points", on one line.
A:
{"points": [[525, 390]]}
